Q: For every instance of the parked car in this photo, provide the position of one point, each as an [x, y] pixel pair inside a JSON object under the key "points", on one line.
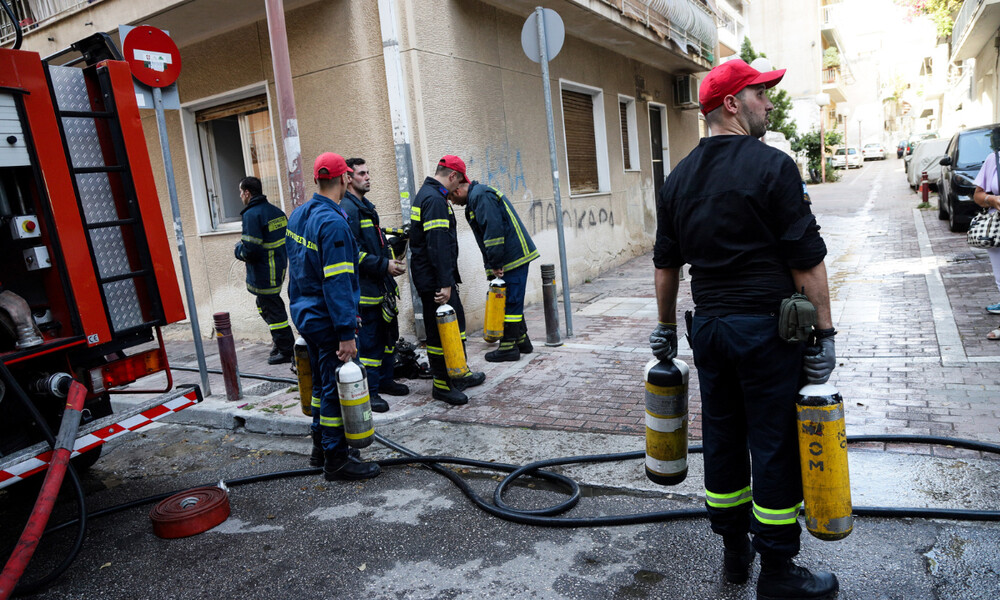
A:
{"points": [[873, 151], [911, 144], [852, 156], [900, 148], [965, 155], [926, 157]]}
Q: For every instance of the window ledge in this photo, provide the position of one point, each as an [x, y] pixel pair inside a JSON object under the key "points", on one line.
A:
{"points": [[633, 170], [591, 194], [218, 232]]}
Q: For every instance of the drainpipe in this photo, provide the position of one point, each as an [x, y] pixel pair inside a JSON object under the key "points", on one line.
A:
{"points": [[281, 64], [398, 112]]}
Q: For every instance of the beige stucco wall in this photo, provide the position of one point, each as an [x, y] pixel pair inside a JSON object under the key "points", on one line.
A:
{"points": [[471, 92], [477, 95]]}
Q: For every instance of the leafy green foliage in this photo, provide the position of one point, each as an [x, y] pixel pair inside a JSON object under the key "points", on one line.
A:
{"points": [[941, 12], [809, 143]]}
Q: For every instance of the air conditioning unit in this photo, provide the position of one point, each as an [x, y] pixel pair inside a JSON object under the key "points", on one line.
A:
{"points": [[685, 92]]}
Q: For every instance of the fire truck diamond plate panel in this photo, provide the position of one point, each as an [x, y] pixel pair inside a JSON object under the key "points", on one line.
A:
{"points": [[96, 198]]}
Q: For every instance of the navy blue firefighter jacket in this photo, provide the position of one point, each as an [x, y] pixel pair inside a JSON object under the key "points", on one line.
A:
{"points": [[323, 289], [501, 235], [433, 239], [262, 246], [374, 252]]}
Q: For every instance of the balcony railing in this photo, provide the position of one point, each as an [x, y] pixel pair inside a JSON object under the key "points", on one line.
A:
{"points": [[964, 20], [688, 23], [831, 76], [33, 13]]}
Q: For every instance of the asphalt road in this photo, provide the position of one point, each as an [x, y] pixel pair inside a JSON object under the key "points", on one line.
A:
{"points": [[410, 534]]}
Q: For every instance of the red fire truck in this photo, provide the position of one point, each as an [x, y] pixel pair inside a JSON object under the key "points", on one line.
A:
{"points": [[86, 271]]}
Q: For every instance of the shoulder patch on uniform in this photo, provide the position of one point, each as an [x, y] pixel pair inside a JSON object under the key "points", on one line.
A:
{"points": [[277, 223]]}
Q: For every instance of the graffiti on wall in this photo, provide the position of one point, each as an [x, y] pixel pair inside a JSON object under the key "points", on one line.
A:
{"points": [[503, 168]]}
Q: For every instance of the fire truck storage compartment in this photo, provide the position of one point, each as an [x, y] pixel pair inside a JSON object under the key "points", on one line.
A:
{"points": [[26, 242]]}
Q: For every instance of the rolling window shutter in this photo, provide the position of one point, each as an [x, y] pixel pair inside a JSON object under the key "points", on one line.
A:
{"points": [[581, 146], [247, 105], [623, 110]]}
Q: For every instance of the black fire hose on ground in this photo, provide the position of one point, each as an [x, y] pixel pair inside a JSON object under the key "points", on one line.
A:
{"points": [[545, 517]]}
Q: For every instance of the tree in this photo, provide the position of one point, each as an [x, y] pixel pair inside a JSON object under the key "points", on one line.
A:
{"points": [[779, 117], [809, 143], [941, 12]]}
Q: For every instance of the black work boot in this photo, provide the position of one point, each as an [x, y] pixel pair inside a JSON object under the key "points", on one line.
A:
{"points": [[393, 388], [338, 467], [277, 357], [316, 458], [523, 343], [781, 579], [471, 379], [379, 405], [737, 558], [448, 393], [507, 350]]}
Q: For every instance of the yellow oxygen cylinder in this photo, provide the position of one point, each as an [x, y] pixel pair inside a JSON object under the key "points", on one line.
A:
{"points": [[451, 341], [666, 421], [303, 370], [355, 404], [496, 306], [826, 485]]}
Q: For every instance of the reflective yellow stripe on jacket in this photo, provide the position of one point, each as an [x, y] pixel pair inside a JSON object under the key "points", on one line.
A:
{"points": [[338, 269]]}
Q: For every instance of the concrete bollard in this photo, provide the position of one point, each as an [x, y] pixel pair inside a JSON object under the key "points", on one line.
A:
{"points": [[551, 306], [227, 355]]}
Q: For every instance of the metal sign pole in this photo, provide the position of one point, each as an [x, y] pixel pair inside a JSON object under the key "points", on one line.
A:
{"points": [[168, 166], [544, 60]]}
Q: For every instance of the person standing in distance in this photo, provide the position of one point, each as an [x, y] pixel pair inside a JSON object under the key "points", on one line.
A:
{"points": [[324, 292], [262, 248], [377, 268], [434, 267], [507, 250], [733, 209]]}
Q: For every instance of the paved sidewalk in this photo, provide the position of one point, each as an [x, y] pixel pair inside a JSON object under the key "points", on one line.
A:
{"points": [[907, 299]]}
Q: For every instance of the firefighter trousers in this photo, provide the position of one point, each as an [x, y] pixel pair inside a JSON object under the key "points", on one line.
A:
{"points": [[272, 309], [435, 353], [749, 381], [325, 400], [516, 281], [377, 345]]}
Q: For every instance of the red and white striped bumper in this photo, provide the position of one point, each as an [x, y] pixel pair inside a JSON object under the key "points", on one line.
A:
{"points": [[34, 459]]}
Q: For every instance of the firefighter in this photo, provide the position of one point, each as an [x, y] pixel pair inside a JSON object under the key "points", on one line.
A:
{"points": [[377, 268], [733, 209], [507, 250], [324, 293], [262, 248], [434, 268]]}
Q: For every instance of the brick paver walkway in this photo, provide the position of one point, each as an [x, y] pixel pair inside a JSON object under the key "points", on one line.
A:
{"points": [[897, 370]]}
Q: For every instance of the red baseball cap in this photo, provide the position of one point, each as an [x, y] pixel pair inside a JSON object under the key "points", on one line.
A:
{"points": [[455, 164], [728, 79], [334, 164]]}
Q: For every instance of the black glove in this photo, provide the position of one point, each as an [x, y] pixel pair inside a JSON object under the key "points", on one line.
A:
{"points": [[663, 341], [820, 358]]}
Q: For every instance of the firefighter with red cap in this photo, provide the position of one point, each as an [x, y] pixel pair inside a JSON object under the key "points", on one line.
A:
{"points": [[324, 293], [434, 268], [733, 209]]}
